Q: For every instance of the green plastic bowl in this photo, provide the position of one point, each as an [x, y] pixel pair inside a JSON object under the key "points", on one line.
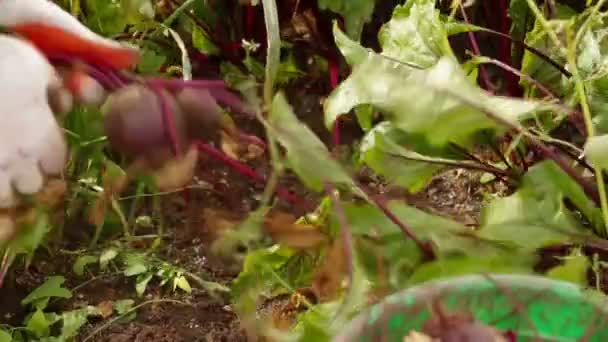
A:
{"points": [[532, 307]]}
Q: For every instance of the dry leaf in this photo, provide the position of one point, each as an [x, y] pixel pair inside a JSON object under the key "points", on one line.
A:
{"points": [[230, 146], [415, 336], [53, 193], [113, 185], [177, 172], [303, 26], [283, 229], [253, 152], [106, 308], [281, 319], [237, 147], [285, 316], [97, 211], [7, 227], [218, 221], [328, 278]]}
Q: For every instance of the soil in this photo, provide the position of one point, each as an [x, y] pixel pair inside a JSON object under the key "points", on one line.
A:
{"points": [[454, 193]]}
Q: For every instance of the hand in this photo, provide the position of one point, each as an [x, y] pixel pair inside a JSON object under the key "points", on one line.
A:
{"points": [[32, 145], [57, 33], [31, 141]]}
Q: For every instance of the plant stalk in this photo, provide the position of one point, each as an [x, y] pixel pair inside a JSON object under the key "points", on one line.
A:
{"points": [[482, 70], [582, 96], [424, 246]]}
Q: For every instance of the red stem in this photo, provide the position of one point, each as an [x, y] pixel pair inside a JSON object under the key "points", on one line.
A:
{"points": [[482, 70], [249, 20], [424, 246], [505, 50], [244, 170], [587, 186], [179, 84], [168, 121]]}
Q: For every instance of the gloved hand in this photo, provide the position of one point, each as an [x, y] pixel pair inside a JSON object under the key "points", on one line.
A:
{"points": [[32, 145]]}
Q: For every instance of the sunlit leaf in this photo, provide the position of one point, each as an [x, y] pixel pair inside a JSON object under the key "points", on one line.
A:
{"points": [[138, 10], [415, 34], [538, 68], [134, 269], [73, 321], [5, 336], [596, 149], [51, 288], [382, 150], [265, 272], [352, 51], [536, 215], [522, 20], [355, 12], [124, 305], [440, 103], [288, 70], [33, 228], [574, 269], [453, 27], [306, 154], [105, 17], [182, 283], [135, 264], [82, 262], [38, 324], [464, 265], [597, 95], [448, 236], [546, 178], [142, 283], [202, 43], [107, 256], [150, 61]]}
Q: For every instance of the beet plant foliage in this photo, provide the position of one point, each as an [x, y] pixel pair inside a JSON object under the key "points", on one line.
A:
{"points": [[515, 99]]}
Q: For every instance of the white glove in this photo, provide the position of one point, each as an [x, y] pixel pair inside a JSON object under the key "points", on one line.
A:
{"points": [[31, 142], [56, 32]]}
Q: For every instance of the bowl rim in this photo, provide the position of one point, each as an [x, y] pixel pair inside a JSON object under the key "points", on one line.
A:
{"points": [[430, 288]]}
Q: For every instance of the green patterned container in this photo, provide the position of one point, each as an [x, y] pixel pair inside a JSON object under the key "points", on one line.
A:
{"points": [[533, 307]]}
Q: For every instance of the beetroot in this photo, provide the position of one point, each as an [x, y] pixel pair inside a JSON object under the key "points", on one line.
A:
{"points": [[134, 122], [202, 113]]}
